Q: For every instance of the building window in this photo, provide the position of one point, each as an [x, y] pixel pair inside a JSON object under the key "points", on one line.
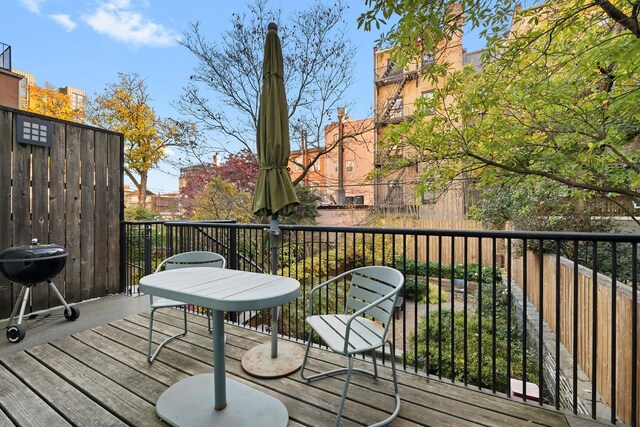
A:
{"points": [[297, 164], [315, 167], [349, 166], [77, 101], [396, 108], [428, 97], [335, 167], [23, 88], [394, 193], [392, 69], [428, 59], [428, 197]]}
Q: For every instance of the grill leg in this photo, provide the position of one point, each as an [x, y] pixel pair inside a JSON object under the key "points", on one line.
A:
{"points": [[16, 306], [23, 306], [55, 290]]}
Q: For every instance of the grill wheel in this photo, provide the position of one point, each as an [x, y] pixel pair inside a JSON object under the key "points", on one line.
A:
{"points": [[16, 333], [72, 314]]}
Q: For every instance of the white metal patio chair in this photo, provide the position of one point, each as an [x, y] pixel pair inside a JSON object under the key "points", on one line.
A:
{"points": [[372, 293], [183, 260]]}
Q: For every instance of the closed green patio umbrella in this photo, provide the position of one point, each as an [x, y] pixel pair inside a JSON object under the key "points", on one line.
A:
{"points": [[274, 195], [274, 190]]}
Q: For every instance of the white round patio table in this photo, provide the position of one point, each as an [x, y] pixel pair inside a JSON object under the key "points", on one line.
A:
{"points": [[213, 399]]}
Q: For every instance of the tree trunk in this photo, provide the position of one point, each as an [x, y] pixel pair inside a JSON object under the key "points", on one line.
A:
{"points": [[142, 190]]}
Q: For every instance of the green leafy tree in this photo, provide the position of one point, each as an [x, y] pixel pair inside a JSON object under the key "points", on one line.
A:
{"points": [[139, 213], [549, 113], [125, 107], [222, 200], [307, 210], [435, 23]]}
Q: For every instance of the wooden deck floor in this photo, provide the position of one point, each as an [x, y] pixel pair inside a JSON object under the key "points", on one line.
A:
{"points": [[100, 377]]}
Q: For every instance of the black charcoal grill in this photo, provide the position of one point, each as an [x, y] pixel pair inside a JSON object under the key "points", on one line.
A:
{"points": [[29, 266]]}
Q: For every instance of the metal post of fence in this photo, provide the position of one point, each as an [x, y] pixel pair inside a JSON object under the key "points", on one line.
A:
{"points": [[233, 249], [147, 249], [168, 240]]}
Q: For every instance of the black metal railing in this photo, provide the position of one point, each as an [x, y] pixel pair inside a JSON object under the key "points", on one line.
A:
{"points": [[526, 314], [5, 56]]}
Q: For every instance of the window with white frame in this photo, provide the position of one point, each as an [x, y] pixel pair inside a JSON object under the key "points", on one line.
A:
{"points": [[349, 166], [77, 101], [297, 164]]}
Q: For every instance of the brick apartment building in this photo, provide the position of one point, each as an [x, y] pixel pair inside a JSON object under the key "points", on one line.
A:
{"points": [[396, 91]]}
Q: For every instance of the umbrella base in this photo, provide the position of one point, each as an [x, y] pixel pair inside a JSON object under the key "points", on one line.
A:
{"points": [[259, 363]]}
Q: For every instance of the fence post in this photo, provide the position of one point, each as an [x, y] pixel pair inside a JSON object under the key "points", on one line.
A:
{"points": [[147, 249], [169, 240], [233, 250]]}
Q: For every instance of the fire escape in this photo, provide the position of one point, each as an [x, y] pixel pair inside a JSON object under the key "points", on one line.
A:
{"points": [[390, 111]]}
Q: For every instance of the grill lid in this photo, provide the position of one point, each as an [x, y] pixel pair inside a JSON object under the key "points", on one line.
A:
{"points": [[32, 264], [32, 252]]}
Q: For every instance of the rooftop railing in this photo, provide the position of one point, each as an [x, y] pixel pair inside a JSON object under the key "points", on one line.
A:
{"points": [[548, 317], [5, 56]]}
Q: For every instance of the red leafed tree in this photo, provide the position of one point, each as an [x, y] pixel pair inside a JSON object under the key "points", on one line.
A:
{"points": [[240, 169]]}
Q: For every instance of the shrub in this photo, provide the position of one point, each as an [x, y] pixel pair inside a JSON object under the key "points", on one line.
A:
{"points": [[435, 344]]}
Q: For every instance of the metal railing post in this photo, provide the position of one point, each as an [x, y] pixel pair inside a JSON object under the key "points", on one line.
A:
{"points": [[233, 249], [147, 249]]}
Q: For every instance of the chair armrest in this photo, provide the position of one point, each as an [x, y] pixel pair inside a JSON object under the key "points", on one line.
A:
{"points": [[160, 265], [322, 285], [364, 310]]}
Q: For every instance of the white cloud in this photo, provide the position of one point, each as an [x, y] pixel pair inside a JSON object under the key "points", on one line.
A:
{"points": [[32, 5], [64, 20], [118, 20]]}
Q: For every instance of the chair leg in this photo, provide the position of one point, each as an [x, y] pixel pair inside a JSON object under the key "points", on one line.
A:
{"points": [[395, 389], [344, 391], [375, 364], [304, 360], [151, 357]]}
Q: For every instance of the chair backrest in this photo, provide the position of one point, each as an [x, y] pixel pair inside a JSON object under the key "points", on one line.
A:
{"points": [[368, 284], [193, 259]]}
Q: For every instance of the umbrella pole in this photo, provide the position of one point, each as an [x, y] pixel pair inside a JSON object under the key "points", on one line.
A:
{"points": [[274, 233]]}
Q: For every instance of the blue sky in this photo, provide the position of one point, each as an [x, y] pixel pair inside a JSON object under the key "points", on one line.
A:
{"points": [[86, 43]]}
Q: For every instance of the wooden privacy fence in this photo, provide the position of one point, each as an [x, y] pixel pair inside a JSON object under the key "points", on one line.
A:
{"points": [[437, 249], [580, 292], [69, 194]]}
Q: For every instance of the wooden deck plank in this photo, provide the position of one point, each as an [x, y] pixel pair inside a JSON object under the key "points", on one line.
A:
{"points": [[470, 403], [286, 389], [364, 392], [5, 421], [76, 406], [24, 405], [118, 400], [123, 352], [143, 386], [107, 367], [199, 361]]}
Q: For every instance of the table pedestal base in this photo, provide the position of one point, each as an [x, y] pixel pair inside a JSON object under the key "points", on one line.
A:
{"points": [[259, 363], [189, 403]]}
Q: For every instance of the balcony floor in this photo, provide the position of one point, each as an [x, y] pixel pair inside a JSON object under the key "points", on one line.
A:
{"points": [[99, 376]]}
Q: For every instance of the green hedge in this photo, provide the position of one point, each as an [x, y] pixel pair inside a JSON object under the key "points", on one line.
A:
{"points": [[439, 348]]}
